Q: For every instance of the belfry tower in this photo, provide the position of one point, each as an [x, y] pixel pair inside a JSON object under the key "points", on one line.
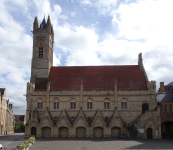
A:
{"points": [[42, 56]]}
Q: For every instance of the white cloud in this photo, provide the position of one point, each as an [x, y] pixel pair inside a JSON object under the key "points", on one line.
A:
{"points": [[149, 23], [15, 58], [56, 61], [73, 13], [103, 6]]}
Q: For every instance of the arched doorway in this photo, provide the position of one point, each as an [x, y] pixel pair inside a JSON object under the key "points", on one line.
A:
{"points": [[149, 133], [33, 131], [115, 132], [145, 107], [167, 130], [63, 132], [80, 132], [98, 132], [46, 132]]}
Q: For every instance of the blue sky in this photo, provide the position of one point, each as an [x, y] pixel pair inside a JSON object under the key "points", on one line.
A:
{"points": [[87, 32]]}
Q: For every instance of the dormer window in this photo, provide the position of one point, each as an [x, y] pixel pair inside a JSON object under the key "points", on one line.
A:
{"points": [[40, 52]]}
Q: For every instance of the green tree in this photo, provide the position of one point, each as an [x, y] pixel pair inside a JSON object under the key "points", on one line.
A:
{"points": [[22, 127], [16, 127]]}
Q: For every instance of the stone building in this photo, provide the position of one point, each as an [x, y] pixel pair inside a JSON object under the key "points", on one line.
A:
{"points": [[87, 101], [6, 114], [165, 98]]}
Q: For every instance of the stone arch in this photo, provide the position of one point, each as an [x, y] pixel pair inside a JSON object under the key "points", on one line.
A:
{"points": [[116, 122], [98, 131], [98, 121], [80, 121], [115, 132], [33, 131], [46, 131], [72, 99], [33, 123], [80, 131], [150, 123], [150, 126], [63, 122], [46, 122], [63, 131], [89, 99]]}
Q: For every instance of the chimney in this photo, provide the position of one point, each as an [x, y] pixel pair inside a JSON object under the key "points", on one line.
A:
{"points": [[161, 89]]}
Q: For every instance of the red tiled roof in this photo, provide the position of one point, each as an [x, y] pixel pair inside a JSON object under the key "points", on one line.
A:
{"points": [[95, 78], [20, 117]]}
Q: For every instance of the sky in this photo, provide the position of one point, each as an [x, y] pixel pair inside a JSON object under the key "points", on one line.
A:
{"points": [[86, 32]]}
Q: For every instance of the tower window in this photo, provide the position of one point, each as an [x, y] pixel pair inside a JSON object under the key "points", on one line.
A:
{"points": [[40, 52]]}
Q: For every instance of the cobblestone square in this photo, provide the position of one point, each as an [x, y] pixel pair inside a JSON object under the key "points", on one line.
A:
{"points": [[98, 144]]}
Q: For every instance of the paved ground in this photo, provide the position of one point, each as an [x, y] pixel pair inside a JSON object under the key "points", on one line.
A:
{"points": [[98, 144], [11, 141]]}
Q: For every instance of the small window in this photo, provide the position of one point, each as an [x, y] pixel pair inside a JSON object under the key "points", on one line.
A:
{"points": [[39, 105], [73, 105], [123, 105], [40, 52], [89, 105], [106, 105], [56, 105]]}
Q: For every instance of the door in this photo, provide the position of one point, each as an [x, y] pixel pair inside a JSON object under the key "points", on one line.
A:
{"points": [[98, 132], [149, 133], [46, 132], [115, 132], [63, 132], [80, 132], [33, 131]]}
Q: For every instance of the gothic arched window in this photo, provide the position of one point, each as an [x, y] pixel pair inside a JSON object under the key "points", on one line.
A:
{"points": [[40, 52]]}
